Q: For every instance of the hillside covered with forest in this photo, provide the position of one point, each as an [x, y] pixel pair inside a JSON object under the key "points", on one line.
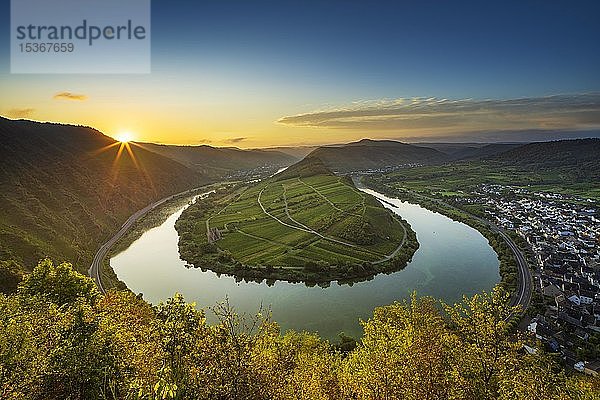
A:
{"points": [[580, 158], [64, 189]]}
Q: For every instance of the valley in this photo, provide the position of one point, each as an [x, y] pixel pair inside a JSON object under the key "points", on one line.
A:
{"points": [[316, 250]]}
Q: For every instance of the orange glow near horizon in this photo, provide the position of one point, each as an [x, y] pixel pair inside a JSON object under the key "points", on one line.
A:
{"points": [[124, 137]]}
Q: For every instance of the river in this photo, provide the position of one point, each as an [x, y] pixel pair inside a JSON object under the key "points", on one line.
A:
{"points": [[453, 259]]}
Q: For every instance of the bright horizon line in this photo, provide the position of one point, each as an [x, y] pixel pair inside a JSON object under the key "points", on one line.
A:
{"points": [[132, 137]]}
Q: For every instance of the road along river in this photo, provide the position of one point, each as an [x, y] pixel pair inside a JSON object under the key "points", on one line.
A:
{"points": [[453, 259]]}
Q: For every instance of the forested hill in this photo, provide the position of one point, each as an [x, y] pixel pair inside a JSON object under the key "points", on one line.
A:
{"points": [[367, 154], [581, 157], [219, 161], [309, 166], [474, 153], [62, 189]]}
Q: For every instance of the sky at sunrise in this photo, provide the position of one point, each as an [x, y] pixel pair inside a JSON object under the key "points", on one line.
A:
{"points": [[256, 74]]}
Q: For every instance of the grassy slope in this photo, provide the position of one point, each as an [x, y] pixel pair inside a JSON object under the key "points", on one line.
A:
{"points": [[309, 166], [60, 197], [307, 207]]}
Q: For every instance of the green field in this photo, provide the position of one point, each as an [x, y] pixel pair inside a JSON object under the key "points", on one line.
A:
{"points": [[318, 225], [460, 179]]}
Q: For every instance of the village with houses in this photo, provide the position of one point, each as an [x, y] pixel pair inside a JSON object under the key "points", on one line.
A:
{"points": [[563, 233]]}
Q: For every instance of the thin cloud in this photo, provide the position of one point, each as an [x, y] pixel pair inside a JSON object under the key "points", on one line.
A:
{"points": [[20, 112], [69, 96], [236, 140], [525, 136], [433, 116]]}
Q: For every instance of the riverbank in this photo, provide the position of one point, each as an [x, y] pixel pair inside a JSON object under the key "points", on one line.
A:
{"points": [[151, 220], [151, 216], [506, 256]]}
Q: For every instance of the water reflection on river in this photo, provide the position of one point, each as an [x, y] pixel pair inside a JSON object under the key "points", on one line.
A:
{"points": [[453, 259]]}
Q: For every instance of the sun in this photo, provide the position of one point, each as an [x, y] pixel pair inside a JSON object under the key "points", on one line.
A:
{"points": [[124, 137]]}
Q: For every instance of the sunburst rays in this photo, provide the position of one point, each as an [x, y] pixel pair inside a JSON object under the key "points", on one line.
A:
{"points": [[125, 153]]}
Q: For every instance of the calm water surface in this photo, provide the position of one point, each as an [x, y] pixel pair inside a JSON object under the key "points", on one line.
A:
{"points": [[453, 259]]}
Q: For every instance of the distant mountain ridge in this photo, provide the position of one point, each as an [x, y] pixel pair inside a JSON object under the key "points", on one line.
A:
{"points": [[298, 152], [219, 161], [369, 154]]}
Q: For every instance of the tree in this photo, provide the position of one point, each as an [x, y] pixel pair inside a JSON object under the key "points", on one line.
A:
{"points": [[589, 349], [52, 352], [534, 376], [485, 346], [83, 360], [180, 327], [403, 354], [60, 284], [132, 322], [295, 366]]}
